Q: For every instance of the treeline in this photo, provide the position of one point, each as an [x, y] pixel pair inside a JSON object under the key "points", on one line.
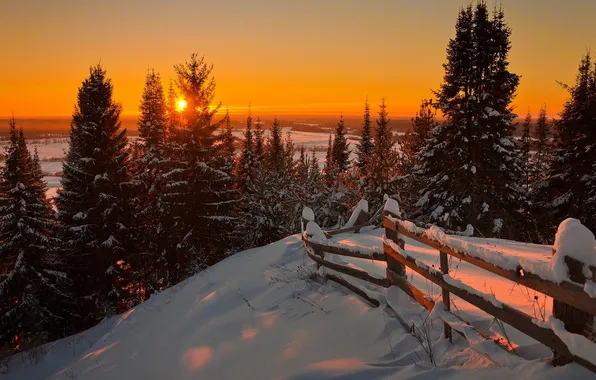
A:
{"points": [[135, 218]]}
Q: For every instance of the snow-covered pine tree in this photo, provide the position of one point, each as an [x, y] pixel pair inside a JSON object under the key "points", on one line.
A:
{"points": [[382, 170], [571, 185], [540, 160], [200, 199], [259, 140], [340, 149], [365, 145], [94, 203], [329, 170], [148, 263], [274, 150], [32, 285], [246, 161], [226, 141], [526, 148], [471, 163], [302, 166]]}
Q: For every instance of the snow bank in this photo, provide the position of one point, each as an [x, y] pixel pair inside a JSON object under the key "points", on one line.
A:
{"points": [[577, 344], [361, 206], [574, 240]]}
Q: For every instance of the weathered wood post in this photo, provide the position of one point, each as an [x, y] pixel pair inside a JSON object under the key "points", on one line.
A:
{"points": [[445, 294], [391, 210], [362, 218], [573, 241]]}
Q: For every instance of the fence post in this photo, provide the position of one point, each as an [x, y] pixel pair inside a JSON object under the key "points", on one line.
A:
{"points": [[361, 219], [392, 209], [445, 293], [575, 320]]}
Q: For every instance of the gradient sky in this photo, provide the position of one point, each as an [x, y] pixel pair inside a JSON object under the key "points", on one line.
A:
{"points": [[282, 56]]}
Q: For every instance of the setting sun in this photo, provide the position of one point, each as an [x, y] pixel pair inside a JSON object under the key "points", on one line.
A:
{"points": [[181, 105]]}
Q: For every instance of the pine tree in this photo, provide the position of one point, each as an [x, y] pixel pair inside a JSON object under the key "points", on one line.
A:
{"points": [[526, 147], [227, 149], [329, 170], [94, 205], [302, 166], [365, 146], [275, 157], [246, 161], [259, 140], [471, 163], [383, 167], [340, 148], [571, 186], [541, 158], [199, 202], [148, 264], [32, 284]]}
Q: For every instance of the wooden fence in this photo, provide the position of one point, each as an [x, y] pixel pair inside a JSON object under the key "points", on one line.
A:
{"points": [[572, 305]]}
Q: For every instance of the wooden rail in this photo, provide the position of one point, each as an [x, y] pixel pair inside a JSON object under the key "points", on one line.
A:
{"points": [[568, 296]]}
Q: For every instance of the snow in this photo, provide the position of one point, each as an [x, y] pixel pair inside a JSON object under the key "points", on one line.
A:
{"points": [[314, 232], [392, 206], [260, 314], [361, 206], [574, 240], [578, 345], [308, 214]]}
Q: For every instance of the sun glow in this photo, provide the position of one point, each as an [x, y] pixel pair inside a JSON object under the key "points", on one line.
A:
{"points": [[181, 105]]}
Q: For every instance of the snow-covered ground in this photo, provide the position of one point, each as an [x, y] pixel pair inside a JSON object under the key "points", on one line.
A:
{"points": [[261, 314]]}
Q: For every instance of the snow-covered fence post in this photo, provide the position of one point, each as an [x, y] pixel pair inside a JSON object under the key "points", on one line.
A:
{"points": [[391, 209], [445, 293], [359, 216], [574, 259]]}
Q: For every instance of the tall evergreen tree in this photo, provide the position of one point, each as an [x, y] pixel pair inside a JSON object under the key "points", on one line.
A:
{"points": [[199, 200], [329, 170], [246, 161], [94, 205], [540, 161], [32, 297], [259, 140], [365, 146], [148, 263], [471, 164], [526, 148], [571, 187], [340, 148], [275, 157]]}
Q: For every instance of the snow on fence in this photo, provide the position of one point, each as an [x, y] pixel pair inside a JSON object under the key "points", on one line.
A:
{"points": [[569, 279]]}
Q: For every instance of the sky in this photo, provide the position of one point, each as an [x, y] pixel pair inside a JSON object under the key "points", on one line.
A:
{"points": [[280, 56]]}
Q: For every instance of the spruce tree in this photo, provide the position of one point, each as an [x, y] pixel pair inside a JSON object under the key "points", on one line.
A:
{"points": [[32, 283], [275, 157], [365, 146], [259, 140], [540, 161], [329, 170], [227, 148], [340, 148], [199, 202], [246, 161], [94, 203], [148, 263], [571, 187], [471, 163], [526, 148]]}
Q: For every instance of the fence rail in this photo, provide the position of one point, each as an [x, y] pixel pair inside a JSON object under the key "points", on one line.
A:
{"points": [[572, 304]]}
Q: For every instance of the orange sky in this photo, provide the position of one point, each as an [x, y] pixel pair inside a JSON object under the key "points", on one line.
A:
{"points": [[283, 57]]}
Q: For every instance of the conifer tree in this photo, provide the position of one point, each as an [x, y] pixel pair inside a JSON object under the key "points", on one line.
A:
{"points": [[259, 140], [32, 283], [471, 164], [329, 171], [275, 157], [226, 143], [365, 146], [302, 166], [340, 148], [526, 147], [199, 201], [148, 263], [540, 161], [94, 203], [570, 185], [246, 161]]}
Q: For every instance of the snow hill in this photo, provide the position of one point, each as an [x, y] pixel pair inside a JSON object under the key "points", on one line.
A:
{"points": [[264, 314]]}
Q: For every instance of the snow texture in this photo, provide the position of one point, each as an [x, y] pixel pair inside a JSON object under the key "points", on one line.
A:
{"points": [[315, 233], [392, 206], [308, 214], [574, 240], [361, 206], [577, 344]]}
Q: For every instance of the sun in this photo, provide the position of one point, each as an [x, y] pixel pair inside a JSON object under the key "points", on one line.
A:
{"points": [[180, 105]]}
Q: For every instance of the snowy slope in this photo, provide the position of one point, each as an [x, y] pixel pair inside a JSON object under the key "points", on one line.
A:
{"points": [[260, 315]]}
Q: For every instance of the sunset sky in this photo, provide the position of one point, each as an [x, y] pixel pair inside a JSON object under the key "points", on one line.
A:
{"points": [[281, 56]]}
